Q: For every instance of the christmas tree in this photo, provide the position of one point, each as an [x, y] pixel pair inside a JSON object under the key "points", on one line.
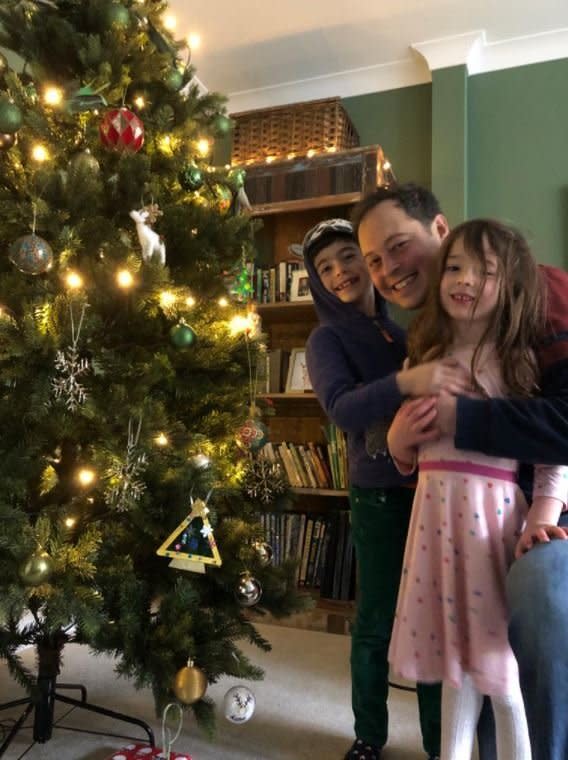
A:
{"points": [[123, 384]]}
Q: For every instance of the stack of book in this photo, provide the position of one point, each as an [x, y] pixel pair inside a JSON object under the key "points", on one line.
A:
{"points": [[320, 544], [313, 465], [273, 285]]}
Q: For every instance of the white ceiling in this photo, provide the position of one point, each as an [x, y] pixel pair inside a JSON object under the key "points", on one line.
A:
{"points": [[274, 52]]}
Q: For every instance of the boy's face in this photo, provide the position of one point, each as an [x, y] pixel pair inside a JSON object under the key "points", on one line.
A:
{"points": [[400, 252], [342, 270]]}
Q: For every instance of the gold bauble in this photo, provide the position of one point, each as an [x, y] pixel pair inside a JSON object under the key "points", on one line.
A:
{"points": [[190, 684], [37, 569]]}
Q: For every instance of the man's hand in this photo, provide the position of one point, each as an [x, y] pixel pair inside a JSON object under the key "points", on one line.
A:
{"points": [[538, 534], [446, 408], [413, 425], [434, 377]]}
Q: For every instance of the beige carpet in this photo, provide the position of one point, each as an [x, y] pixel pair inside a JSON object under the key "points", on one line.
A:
{"points": [[302, 711]]}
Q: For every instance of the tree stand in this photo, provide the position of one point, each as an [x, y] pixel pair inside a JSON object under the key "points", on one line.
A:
{"points": [[45, 694]]}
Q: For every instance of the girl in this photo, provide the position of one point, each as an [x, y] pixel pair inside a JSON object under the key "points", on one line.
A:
{"points": [[485, 310]]}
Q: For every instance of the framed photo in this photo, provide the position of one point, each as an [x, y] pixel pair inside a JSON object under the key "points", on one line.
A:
{"points": [[298, 379], [299, 289]]}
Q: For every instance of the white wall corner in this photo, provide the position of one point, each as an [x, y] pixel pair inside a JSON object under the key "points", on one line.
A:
{"points": [[458, 50]]}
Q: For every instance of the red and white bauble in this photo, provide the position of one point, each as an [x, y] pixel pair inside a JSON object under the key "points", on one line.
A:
{"points": [[122, 130]]}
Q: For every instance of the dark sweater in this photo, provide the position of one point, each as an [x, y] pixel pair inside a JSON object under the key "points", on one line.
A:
{"points": [[352, 360], [533, 430]]}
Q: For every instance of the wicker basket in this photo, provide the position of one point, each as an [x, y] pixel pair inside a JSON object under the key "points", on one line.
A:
{"points": [[319, 125]]}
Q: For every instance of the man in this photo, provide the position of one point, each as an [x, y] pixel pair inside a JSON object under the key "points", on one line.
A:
{"points": [[400, 230]]}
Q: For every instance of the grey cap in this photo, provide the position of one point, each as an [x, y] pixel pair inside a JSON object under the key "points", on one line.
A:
{"points": [[324, 233]]}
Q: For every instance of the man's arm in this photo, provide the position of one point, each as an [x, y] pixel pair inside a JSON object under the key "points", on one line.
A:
{"points": [[533, 430]]}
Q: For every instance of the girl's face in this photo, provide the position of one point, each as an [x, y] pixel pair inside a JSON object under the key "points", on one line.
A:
{"points": [[463, 283]]}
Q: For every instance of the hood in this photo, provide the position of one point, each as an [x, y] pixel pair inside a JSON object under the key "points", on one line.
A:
{"points": [[329, 308]]}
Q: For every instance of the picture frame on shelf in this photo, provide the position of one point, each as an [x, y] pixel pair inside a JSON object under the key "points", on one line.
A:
{"points": [[298, 379], [299, 288]]}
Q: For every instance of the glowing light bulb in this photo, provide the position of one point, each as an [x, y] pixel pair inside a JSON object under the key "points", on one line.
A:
{"points": [[161, 440], [167, 299], [387, 165], [311, 153], [194, 41], [124, 279], [240, 324], [170, 22], [85, 476], [190, 301], [53, 96], [70, 522], [40, 153], [223, 302], [73, 280], [139, 102], [270, 159], [203, 147]]}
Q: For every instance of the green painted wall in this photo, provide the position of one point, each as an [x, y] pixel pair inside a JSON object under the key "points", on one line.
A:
{"points": [[401, 122], [449, 140], [518, 153]]}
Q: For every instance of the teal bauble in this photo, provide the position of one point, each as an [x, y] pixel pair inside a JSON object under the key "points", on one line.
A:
{"points": [[31, 254], [116, 15], [190, 177], [222, 124], [10, 116], [183, 336], [237, 177], [174, 80]]}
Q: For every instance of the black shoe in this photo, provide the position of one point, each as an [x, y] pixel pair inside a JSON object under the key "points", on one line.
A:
{"points": [[360, 750]]}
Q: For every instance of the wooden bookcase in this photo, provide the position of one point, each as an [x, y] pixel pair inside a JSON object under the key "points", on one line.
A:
{"points": [[290, 198]]}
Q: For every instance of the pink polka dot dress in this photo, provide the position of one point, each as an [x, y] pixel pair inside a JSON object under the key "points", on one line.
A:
{"points": [[468, 512]]}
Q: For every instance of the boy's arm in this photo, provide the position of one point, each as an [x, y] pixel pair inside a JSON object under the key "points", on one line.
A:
{"points": [[350, 406]]}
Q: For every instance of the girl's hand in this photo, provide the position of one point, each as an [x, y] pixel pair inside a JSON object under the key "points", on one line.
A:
{"points": [[538, 534], [412, 426], [434, 377]]}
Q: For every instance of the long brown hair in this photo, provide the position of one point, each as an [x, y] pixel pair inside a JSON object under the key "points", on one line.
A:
{"points": [[518, 322]]}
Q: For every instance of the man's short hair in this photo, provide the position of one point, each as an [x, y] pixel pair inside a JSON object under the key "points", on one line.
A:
{"points": [[418, 202], [324, 233]]}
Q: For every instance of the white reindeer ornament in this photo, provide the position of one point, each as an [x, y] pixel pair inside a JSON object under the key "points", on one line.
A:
{"points": [[153, 247]]}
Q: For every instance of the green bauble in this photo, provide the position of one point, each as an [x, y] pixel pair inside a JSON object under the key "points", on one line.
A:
{"points": [[10, 116], [37, 569], [222, 124], [84, 162], [190, 177], [183, 336], [8, 141], [237, 177], [174, 80], [116, 15]]}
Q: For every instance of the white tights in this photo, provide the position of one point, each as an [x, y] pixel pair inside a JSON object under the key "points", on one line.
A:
{"points": [[460, 713]]}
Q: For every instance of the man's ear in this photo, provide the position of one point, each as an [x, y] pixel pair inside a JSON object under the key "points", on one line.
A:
{"points": [[440, 226]]}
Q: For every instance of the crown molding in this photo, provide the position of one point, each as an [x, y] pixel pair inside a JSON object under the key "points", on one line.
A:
{"points": [[343, 84], [457, 50]]}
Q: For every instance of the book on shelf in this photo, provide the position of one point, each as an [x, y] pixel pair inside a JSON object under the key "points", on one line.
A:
{"points": [[273, 284], [306, 550]]}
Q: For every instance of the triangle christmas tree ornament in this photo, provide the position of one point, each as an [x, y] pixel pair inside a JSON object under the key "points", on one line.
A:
{"points": [[192, 545]]}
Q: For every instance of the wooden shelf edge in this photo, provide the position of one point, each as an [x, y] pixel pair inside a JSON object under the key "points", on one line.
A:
{"points": [[306, 204]]}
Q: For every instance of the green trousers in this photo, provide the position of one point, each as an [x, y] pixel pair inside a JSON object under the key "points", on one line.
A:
{"points": [[379, 521]]}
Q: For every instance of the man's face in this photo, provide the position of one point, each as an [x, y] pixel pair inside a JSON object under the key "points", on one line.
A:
{"points": [[400, 252], [342, 271]]}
